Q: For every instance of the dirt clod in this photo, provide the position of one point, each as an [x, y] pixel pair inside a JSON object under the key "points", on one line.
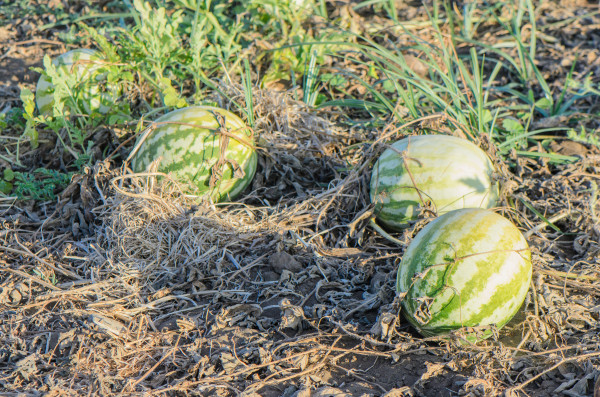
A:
{"points": [[284, 261]]}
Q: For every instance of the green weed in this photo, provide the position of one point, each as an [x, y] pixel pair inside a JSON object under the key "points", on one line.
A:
{"points": [[310, 88], [6, 186], [41, 184], [71, 111], [454, 85], [583, 136], [247, 84], [462, 83]]}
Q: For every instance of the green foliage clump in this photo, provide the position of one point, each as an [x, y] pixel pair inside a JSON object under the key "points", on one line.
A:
{"points": [[40, 184]]}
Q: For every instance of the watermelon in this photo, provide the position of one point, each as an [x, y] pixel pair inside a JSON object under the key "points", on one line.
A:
{"points": [[207, 149], [439, 171], [467, 268], [88, 92]]}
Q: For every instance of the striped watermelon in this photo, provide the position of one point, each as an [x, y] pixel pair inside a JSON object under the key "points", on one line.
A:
{"points": [[89, 92], [467, 268], [448, 172], [192, 148]]}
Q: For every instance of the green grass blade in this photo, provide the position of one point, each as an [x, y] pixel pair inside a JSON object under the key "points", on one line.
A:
{"points": [[247, 84], [539, 215]]}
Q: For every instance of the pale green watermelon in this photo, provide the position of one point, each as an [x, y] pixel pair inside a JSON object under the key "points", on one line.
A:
{"points": [[449, 172], [88, 90], [467, 268], [190, 142]]}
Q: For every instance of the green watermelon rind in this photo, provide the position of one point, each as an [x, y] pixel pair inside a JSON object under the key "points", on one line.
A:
{"points": [[450, 172], [190, 151], [472, 267]]}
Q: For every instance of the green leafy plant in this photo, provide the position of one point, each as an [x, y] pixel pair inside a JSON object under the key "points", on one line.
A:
{"points": [[6, 185], [30, 132], [454, 84], [157, 35], [583, 136], [41, 184], [168, 49], [76, 101]]}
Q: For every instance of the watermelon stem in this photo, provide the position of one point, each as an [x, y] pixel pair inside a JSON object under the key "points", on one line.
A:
{"points": [[384, 234]]}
